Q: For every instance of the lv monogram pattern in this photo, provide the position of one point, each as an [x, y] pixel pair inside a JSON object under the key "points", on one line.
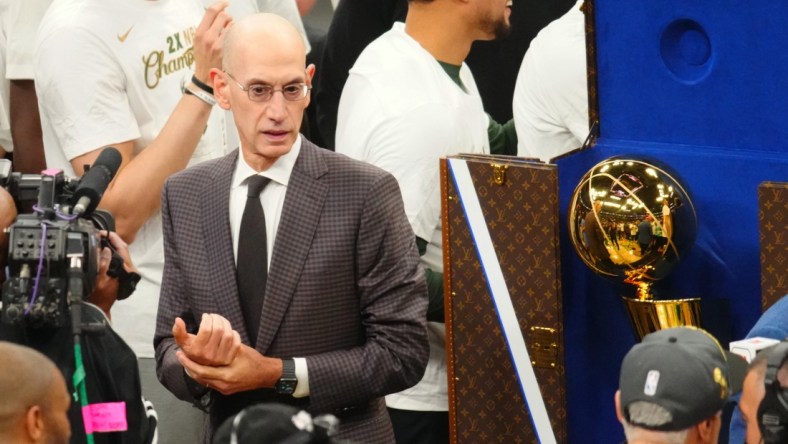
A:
{"points": [[773, 224], [486, 403], [591, 70]]}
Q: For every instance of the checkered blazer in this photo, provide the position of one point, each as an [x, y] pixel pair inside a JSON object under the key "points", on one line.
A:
{"points": [[345, 289]]}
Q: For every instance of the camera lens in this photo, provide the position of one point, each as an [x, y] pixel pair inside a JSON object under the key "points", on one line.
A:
{"points": [[103, 220]]}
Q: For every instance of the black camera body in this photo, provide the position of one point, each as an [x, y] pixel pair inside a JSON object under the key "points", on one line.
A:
{"points": [[53, 254], [43, 257]]}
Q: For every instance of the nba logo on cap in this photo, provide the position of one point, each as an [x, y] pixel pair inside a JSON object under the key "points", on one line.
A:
{"points": [[652, 380]]}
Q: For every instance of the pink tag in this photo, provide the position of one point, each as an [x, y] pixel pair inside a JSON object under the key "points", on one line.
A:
{"points": [[105, 417], [51, 172]]}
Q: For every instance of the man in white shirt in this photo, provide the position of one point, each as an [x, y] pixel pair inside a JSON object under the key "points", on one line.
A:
{"points": [[550, 104], [409, 100]]}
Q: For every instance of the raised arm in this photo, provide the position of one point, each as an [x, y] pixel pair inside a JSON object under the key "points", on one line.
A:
{"points": [[134, 194]]}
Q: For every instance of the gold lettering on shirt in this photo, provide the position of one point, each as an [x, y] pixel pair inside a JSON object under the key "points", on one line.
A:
{"points": [[188, 36], [157, 65], [177, 55]]}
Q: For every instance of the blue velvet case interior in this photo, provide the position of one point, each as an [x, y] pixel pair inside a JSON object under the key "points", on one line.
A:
{"points": [[701, 86], [705, 73]]}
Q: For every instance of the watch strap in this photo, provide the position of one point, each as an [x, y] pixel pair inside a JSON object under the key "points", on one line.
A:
{"points": [[288, 368], [202, 395]]}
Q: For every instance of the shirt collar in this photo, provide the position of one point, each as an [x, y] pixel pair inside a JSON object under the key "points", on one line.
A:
{"points": [[279, 172]]}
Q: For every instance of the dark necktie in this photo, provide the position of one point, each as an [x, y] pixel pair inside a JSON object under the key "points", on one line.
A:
{"points": [[252, 263]]}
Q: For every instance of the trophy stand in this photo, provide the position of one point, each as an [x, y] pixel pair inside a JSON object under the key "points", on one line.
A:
{"points": [[649, 315]]}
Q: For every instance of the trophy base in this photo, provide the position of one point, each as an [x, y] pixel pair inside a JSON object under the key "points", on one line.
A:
{"points": [[650, 315]]}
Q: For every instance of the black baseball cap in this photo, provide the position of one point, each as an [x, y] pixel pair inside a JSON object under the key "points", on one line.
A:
{"points": [[685, 371]]}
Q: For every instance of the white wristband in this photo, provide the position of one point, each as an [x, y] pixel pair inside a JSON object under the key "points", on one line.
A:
{"points": [[191, 88]]}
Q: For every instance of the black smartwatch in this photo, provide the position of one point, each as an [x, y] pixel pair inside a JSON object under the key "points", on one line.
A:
{"points": [[202, 395], [286, 385]]}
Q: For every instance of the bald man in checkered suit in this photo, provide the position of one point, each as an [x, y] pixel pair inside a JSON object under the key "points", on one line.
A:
{"points": [[345, 298]]}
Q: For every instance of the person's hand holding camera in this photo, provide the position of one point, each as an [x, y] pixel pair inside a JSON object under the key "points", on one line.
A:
{"points": [[105, 290]]}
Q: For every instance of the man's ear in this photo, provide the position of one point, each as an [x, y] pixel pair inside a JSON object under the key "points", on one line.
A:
{"points": [[220, 85], [34, 423], [310, 73], [708, 428], [619, 415]]}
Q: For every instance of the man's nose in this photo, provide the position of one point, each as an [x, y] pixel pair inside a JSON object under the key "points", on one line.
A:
{"points": [[277, 106]]}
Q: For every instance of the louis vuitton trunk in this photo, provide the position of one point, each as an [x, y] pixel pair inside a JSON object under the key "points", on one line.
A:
{"points": [[502, 286]]}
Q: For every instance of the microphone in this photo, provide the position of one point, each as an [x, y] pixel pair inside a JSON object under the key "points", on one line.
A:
{"points": [[95, 181]]}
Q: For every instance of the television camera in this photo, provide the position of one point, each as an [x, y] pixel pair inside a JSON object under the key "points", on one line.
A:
{"points": [[54, 251]]}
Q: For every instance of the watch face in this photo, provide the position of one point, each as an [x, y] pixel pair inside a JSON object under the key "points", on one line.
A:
{"points": [[286, 386]]}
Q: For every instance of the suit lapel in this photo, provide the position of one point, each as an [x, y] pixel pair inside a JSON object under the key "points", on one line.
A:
{"points": [[300, 216], [219, 242]]}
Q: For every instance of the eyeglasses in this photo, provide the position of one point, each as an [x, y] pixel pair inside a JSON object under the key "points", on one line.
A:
{"points": [[263, 93]]}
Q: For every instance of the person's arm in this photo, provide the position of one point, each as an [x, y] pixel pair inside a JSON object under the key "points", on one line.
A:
{"points": [[131, 203], [503, 138], [172, 304], [133, 196], [195, 355], [7, 217], [21, 26], [26, 127], [435, 308], [393, 299]]}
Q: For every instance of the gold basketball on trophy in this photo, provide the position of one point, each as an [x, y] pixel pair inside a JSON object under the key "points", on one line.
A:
{"points": [[632, 220]]}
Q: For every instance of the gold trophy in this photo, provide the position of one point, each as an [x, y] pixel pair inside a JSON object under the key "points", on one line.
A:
{"points": [[631, 220]]}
